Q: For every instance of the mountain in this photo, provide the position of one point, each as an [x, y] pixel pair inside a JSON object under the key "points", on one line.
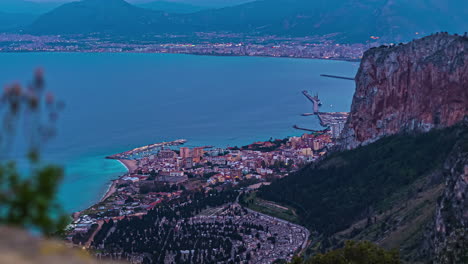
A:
{"points": [[387, 192], [352, 20], [172, 7], [10, 21], [28, 7], [98, 16], [213, 3], [349, 20], [404, 188], [418, 86]]}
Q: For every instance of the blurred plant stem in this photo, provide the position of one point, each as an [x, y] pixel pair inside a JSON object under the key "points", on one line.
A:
{"points": [[29, 201]]}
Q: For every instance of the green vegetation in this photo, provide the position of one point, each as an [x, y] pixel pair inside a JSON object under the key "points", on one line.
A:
{"points": [[251, 201], [356, 253], [347, 186], [29, 200], [275, 144]]}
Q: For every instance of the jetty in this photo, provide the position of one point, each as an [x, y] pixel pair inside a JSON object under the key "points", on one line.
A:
{"points": [[337, 77], [146, 150], [305, 129], [314, 99]]}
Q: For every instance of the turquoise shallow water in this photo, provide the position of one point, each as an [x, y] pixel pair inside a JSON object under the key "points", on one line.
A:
{"points": [[119, 101]]}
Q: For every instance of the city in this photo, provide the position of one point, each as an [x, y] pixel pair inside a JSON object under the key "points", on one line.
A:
{"points": [[215, 44], [234, 131], [169, 174], [165, 176]]}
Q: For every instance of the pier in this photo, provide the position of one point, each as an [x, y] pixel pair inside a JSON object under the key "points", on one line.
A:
{"points": [[314, 99], [338, 77], [331, 121], [305, 129], [146, 150], [315, 132]]}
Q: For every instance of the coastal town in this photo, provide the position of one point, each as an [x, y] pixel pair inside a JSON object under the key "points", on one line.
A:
{"points": [[234, 132], [204, 186], [164, 173], [216, 44]]}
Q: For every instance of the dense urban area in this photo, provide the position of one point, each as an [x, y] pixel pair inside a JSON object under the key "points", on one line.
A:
{"points": [[385, 183], [215, 44], [191, 205]]}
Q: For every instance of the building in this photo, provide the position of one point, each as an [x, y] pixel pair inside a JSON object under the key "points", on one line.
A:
{"points": [[188, 162], [167, 154], [336, 129], [198, 154], [306, 152], [185, 152], [317, 145], [218, 160], [172, 176], [176, 173]]}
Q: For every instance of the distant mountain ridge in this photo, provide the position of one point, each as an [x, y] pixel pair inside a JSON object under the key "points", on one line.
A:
{"points": [[353, 20], [350, 20], [27, 7], [10, 22], [98, 16], [172, 7]]}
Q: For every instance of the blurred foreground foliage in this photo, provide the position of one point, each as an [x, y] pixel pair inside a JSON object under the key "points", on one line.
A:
{"points": [[353, 252], [30, 200]]}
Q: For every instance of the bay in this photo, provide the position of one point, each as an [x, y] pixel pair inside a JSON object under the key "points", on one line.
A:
{"points": [[118, 101]]}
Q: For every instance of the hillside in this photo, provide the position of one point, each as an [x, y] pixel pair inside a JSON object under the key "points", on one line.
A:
{"points": [[385, 192], [348, 20], [295, 17], [98, 16], [405, 186], [172, 7], [28, 7], [12, 21]]}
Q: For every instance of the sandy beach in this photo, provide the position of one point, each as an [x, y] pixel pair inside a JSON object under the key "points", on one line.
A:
{"points": [[130, 164], [110, 191]]}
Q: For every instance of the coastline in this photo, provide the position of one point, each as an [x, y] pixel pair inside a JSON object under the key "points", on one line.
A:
{"points": [[131, 166], [115, 206], [110, 191], [192, 54]]}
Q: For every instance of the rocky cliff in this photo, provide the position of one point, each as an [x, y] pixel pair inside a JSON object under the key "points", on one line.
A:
{"points": [[449, 235], [412, 87], [417, 87]]}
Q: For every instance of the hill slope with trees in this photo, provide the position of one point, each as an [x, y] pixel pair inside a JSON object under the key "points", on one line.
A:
{"points": [[385, 192]]}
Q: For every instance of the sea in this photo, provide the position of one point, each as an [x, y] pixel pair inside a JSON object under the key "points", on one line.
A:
{"points": [[118, 101]]}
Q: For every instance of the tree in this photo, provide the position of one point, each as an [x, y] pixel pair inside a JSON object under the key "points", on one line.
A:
{"points": [[29, 201], [357, 253]]}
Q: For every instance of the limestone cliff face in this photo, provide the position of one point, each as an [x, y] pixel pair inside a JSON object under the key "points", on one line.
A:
{"points": [[413, 87], [449, 236]]}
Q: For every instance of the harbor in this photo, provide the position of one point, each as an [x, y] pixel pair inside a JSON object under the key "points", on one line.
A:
{"points": [[146, 151], [333, 121]]}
